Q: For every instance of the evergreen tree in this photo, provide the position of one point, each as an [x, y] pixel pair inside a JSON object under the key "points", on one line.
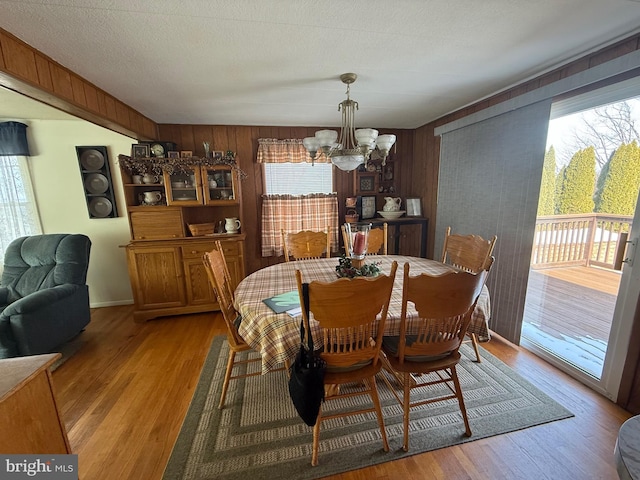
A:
{"points": [[619, 191], [604, 172], [579, 183], [546, 202], [558, 189]]}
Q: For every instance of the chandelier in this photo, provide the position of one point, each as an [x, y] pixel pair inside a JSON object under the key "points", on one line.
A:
{"points": [[354, 147]]}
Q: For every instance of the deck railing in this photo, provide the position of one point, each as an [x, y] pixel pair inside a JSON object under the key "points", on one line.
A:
{"points": [[588, 239]]}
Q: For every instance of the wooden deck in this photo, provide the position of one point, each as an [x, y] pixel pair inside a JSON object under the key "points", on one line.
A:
{"points": [[572, 308]]}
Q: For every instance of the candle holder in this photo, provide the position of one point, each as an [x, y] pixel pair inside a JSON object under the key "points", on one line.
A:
{"points": [[358, 240]]}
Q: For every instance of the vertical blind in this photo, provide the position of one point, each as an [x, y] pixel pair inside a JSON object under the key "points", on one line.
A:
{"points": [[489, 183]]}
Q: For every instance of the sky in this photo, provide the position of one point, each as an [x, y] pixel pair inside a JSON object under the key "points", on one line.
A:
{"points": [[561, 130]]}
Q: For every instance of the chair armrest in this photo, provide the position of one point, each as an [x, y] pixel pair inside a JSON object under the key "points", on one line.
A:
{"points": [[40, 299]]}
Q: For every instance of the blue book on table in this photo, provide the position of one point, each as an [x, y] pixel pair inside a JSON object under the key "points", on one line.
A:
{"points": [[283, 302]]}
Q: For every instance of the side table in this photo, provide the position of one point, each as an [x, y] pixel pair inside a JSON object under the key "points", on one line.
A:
{"points": [[30, 422], [396, 224]]}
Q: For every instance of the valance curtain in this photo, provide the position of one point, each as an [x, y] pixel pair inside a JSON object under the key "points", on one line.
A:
{"points": [[13, 140], [272, 150], [293, 213]]}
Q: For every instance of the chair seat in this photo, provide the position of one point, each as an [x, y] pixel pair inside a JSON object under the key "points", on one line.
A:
{"points": [[336, 377], [422, 366], [390, 346]]}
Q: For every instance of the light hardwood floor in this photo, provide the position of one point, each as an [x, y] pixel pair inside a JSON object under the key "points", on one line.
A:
{"points": [[124, 395]]}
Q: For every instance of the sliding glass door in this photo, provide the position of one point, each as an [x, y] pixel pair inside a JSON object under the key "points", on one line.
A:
{"points": [[583, 283]]}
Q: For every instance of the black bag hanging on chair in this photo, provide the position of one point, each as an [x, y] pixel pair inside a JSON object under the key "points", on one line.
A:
{"points": [[306, 375]]}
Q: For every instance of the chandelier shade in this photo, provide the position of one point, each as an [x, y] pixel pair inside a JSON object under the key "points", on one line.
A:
{"points": [[352, 147]]}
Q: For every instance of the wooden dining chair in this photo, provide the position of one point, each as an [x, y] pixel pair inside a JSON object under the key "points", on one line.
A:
{"points": [[220, 280], [350, 339], [377, 242], [470, 253], [429, 343], [306, 244]]}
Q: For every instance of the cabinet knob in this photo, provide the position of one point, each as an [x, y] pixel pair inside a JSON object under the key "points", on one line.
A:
{"points": [[194, 252]]}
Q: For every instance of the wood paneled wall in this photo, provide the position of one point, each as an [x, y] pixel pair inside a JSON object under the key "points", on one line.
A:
{"points": [[28, 71], [243, 140]]}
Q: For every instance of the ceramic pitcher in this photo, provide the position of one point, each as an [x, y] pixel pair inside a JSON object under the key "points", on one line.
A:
{"points": [[152, 198], [391, 204], [231, 225], [148, 178]]}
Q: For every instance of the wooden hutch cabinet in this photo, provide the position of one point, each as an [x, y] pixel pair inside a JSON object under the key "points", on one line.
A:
{"points": [[174, 219]]}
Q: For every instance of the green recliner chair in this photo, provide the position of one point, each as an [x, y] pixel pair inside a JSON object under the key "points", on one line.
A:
{"points": [[44, 298]]}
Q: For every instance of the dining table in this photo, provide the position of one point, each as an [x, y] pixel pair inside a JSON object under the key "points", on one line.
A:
{"points": [[276, 336]]}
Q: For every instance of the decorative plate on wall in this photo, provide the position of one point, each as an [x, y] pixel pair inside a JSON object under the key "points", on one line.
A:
{"points": [[96, 183], [100, 207], [92, 160]]}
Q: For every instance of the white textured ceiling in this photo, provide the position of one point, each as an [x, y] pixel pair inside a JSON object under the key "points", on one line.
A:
{"points": [[278, 62]]}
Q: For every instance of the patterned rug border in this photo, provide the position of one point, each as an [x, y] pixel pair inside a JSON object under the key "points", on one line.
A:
{"points": [[177, 466]]}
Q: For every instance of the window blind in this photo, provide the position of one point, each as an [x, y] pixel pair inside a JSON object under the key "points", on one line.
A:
{"points": [[489, 183]]}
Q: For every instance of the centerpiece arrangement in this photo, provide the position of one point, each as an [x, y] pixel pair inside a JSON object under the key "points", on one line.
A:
{"points": [[356, 238], [347, 269]]}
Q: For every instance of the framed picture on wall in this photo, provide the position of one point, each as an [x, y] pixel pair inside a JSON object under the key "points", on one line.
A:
{"points": [[414, 208], [368, 207], [365, 183], [139, 150]]}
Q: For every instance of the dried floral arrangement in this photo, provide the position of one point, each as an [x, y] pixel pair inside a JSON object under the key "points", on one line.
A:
{"points": [[346, 269], [157, 165]]}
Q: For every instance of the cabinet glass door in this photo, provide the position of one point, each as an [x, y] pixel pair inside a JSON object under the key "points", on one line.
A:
{"points": [[184, 187], [219, 185]]}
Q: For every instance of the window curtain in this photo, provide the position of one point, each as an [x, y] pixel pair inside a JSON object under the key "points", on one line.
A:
{"points": [[18, 212], [272, 150], [13, 139], [293, 213], [489, 183]]}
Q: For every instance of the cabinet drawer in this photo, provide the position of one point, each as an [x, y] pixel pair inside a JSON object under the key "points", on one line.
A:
{"points": [[155, 225], [230, 249]]}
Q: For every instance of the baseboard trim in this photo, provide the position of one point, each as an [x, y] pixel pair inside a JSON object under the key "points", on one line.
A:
{"points": [[114, 303]]}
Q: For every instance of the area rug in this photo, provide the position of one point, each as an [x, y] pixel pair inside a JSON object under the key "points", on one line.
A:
{"points": [[258, 434]]}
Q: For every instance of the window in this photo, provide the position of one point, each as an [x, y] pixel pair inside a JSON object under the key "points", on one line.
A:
{"points": [[298, 178], [298, 194], [18, 212], [298, 197]]}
